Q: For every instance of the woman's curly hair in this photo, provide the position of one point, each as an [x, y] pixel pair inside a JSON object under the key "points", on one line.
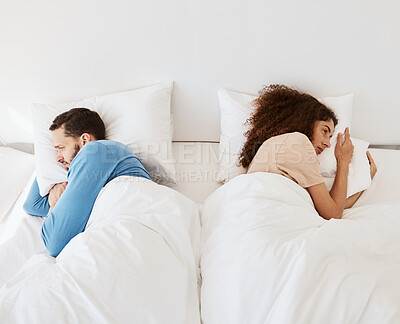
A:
{"points": [[279, 110]]}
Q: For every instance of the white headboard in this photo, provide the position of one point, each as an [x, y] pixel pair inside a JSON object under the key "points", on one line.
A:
{"points": [[56, 51]]}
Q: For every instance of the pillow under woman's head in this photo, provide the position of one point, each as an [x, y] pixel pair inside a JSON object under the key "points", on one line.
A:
{"points": [[237, 107]]}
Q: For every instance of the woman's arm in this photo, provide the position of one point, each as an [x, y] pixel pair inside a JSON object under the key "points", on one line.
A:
{"points": [[339, 188], [352, 199], [331, 204]]}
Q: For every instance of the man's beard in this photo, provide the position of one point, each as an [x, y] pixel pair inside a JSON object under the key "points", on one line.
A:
{"points": [[76, 150]]}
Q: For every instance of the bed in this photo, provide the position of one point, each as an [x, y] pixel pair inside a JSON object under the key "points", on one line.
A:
{"points": [[274, 255], [184, 248], [197, 250]]}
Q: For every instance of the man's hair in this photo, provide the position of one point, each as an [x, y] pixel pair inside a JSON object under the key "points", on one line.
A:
{"points": [[78, 121]]}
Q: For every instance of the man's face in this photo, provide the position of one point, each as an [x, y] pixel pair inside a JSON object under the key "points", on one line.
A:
{"points": [[67, 147]]}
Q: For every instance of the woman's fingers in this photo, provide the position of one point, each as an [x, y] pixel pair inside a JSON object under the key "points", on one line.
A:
{"points": [[347, 134], [370, 159], [373, 168], [340, 138]]}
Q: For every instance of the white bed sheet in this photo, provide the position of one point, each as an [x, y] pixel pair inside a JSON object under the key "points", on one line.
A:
{"points": [[268, 257], [15, 170], [137, 261], [19, 237]]}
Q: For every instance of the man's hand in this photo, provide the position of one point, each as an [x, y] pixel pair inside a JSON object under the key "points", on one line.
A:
{"points": [[372, 165], [55, 193]]}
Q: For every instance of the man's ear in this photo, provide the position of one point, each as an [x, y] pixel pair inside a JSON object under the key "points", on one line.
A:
{"points": [[86, 138]]}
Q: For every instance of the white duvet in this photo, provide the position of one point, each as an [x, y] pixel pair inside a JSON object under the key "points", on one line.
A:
{"points": [[268, 257], [136, 262]]}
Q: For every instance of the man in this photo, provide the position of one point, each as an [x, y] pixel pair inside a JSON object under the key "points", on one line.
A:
{"points": [[92, 162]]}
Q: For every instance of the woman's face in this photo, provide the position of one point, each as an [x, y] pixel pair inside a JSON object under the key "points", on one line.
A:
{"points": [[323, 131]]}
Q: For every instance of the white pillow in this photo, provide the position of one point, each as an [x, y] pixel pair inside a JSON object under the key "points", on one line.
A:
{"points": [[139, 118], [236, 108], [16, 168], [360, 178]]}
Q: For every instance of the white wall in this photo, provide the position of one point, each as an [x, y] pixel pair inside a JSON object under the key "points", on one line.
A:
{"points": [[54, 50]]}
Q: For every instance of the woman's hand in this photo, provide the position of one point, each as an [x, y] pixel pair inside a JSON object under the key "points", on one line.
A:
{"points": [[372, 165], [55, 193], [344, 149]]}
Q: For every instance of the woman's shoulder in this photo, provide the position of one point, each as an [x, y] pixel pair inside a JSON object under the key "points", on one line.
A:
{"points": [[289, 138], [297, 137], [289, 143]]}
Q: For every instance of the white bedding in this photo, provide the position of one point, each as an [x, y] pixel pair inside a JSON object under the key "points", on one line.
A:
{"points": [[19, 237], [233, 270], [136, 262], [268, 257]]}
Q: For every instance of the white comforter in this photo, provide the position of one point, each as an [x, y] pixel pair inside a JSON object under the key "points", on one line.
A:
{"points": [[136, 262], [268, 257]]}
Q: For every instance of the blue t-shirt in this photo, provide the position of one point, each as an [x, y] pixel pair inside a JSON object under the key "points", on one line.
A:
{"points": [[96, 164]]}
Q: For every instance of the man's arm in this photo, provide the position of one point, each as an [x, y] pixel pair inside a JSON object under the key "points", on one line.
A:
{"points": [[35, 204], [88, 173]]}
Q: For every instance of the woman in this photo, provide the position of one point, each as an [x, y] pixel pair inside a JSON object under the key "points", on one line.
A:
{"points": [[287, 131]]}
